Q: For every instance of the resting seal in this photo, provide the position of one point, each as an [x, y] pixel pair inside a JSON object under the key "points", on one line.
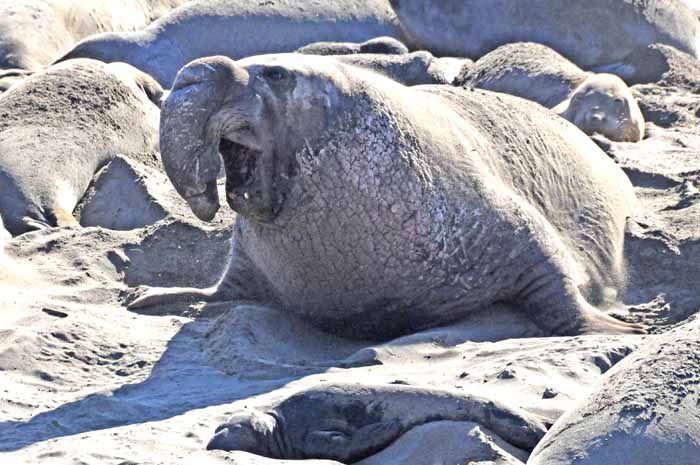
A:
{"points": [[238, 29], [33, 33], [59, 126], [588, 32], [380, 45], [645, 410], [373, 209], [348, 423], [524, 69], [603, 104]]}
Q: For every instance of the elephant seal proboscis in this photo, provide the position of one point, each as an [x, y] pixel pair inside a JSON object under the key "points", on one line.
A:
{"points": [[59, 126], [603, 104], [238, 29], [588, 32], [372, 209], [350, 422]]}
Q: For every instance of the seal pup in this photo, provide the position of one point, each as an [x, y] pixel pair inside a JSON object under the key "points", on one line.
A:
{"points": [[238, 29], [588, 32], [379, 45], [603, 104], [348, 423], [60, 126], [372, 209]]}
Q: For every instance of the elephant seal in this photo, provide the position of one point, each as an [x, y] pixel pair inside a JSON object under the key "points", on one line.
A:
{"points": [[34, 33], [238, 29], [645, 409], [380, 45], [524, 69], [588, 32], [603, 104], [410, 69], [59, 126], [372, 209], [350, 422]]}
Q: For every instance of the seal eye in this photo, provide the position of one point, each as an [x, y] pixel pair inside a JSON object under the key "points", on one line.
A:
{"points": [[276, 73]]}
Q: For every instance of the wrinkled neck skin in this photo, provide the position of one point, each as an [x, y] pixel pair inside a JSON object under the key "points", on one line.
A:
{"points": [[365, 220]]}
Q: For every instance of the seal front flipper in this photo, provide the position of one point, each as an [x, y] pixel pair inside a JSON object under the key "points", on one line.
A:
{"points": [[350, 446], [145, 296], [63, 218]]}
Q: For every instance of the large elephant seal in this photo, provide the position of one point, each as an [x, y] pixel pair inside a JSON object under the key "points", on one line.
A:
{"points": [[34, 33], [238, 29], [603, 104], [588, 32], [525, 69], [350, 422], [59, 126], [373, 209], [645, 410]]}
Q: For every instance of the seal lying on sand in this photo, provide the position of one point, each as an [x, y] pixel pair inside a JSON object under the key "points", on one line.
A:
{"points": [[588, 32], [380, 45], [603, 104], [645, 410], [373, 209], [238, 29], [59, 126], [33, 33], [600, 103], [348, 423]]}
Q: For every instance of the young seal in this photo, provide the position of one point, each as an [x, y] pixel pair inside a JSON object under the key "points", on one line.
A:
{"points": [[59, 126], [238, 29], [645, 410], [380, 45], [588, 32], [33, 33], [603, 104], [524, 69], [372, 209], [350, 422]]}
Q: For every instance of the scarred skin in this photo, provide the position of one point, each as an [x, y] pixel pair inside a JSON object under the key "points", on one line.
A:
{"points": [[603, 104], [59, 127], [349, 422], [372, 209]]}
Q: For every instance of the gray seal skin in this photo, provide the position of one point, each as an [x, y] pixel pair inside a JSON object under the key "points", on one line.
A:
{"points": [[351, 422], [34, 33], [372, 209], [645, 410], [238, 29], [588, 32], [603, 104], [380, 45], [524, 69], [59, 126], [410, 69]]}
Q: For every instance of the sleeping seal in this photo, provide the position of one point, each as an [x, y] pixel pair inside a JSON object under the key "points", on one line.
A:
{"points": [[59, 126], [350, 422], [372, 209]]}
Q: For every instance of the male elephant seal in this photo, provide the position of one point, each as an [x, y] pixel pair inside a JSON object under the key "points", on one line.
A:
{"points": [[645, 410], [33, 33], [350, 422], [373, 209], [588, 32], [238, 29], [59, 126], [603, 104]]}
